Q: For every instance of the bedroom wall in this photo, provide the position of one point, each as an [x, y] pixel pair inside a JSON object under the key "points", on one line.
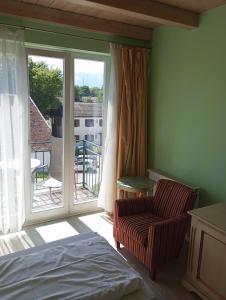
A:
{"points": [[187, 110], [58, 37]]}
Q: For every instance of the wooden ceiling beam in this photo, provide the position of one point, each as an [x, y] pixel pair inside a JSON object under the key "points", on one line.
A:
{"points": [[32, 11], [152, 11]]}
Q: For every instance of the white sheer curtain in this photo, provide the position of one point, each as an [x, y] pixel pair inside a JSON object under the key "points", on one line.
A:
{"points": [[107, 188], [15, 174]]}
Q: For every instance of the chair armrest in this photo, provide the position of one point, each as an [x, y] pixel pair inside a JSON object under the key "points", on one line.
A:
{"points": [[131, 206], [42, 167], [165, 239]]}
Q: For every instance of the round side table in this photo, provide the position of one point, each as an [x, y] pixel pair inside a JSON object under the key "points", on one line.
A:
{"points": [[134, 184]]}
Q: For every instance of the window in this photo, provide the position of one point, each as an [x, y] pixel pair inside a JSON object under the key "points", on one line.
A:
{"points": [[100, 122], [89, 89], [76, 123], [100, 139], [89, 137], [89, 122]]}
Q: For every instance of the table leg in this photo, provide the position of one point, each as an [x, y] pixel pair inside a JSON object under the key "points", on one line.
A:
{"points": [[120, 194]]}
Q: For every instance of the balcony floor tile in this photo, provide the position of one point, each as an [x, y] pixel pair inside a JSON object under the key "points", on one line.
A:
{"points": [[45, 200]]}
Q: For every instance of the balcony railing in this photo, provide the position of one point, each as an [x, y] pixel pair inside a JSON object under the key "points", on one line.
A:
{"points": [[87, 164]]}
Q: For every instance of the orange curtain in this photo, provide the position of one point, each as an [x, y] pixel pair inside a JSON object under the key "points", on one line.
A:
{"points": [[132, 113]]}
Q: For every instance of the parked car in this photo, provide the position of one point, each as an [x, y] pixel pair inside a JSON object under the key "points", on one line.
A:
{"points": [[88, 162]]}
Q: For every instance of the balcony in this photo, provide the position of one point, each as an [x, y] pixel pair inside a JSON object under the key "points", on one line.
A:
{"points": [[47, 175]]}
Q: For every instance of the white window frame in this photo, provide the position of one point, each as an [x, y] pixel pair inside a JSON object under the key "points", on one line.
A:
{"points": [[68, 208], [92, 205], [61, 211]]}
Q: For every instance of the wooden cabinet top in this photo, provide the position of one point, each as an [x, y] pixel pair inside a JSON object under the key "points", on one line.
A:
{"points": [[214, 215]]}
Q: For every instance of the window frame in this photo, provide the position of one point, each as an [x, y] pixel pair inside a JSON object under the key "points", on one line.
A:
{"points": [[90, 120], [75, 123], [43, 215], [68, 130], [89, 135]]}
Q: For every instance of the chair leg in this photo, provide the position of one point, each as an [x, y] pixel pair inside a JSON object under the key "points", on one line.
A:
{"points": [[51, 196], [117, 244], [50, 193], [152, 274]]}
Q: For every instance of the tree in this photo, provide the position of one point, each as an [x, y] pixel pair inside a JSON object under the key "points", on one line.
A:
{"points": [[46, 86], [84, 94], [80, 92], [84, 91], [77, 93], [100, 94]]}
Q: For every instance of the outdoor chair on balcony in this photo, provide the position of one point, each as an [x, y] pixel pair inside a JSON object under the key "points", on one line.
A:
{"points": [[153, 228], [54, 179]]}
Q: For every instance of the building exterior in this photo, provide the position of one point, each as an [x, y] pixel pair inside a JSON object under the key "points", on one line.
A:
{"points": [[40, 130], [41, 135], [88, 122]]}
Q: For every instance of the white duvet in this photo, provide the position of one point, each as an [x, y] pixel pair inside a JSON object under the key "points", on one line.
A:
{"points": [[80, 269]]}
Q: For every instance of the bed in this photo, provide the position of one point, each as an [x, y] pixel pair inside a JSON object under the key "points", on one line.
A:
{"points": [[82, 267]]}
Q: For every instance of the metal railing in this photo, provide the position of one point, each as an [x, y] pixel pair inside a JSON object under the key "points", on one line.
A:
{"points": [[41, 151], [87, 163], [88, 154]]}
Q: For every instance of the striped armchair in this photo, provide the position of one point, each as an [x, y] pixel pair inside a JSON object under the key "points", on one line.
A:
{"points": [[153, 228]]}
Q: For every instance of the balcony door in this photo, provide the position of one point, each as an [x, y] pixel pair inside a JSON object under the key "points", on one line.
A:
{"points": [[67, 95], [90, 73], [49, 86]]}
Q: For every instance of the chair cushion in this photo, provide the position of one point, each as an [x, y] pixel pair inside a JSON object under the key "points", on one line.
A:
{"points": [[136, 226]]}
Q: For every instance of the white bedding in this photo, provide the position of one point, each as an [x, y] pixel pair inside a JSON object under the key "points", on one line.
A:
{"points": [[86, 268]]}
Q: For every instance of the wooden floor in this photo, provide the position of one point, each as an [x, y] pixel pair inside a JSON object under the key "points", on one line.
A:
{"points": [[168, 285]]}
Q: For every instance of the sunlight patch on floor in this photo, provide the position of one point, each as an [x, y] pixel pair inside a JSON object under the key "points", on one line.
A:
{"points": [[57, 231], [10, 243], [98, 224]]}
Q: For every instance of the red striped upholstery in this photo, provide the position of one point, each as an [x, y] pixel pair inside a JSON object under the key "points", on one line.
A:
{"points": [[132, 206], [137, 226], [167, 237], [153, 229], [138, 250], [172, 199]]}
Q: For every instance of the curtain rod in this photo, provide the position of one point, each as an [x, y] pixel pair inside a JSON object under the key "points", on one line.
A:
{"points": [[69, 34]]}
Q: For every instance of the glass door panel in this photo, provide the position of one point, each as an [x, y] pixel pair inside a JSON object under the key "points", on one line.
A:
{"points": [[89, 84], [46, 85], [66, 127]]}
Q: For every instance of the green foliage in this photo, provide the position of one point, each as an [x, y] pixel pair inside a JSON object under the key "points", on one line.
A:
{"points": [[46, 86], [86, 94], [42, 175], [84, 91]]}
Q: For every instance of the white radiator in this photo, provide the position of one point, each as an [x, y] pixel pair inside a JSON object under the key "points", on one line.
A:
{"points": [[155, 175]]}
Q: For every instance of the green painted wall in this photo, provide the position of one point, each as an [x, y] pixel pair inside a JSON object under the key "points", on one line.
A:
{"points": [[187, 111], [58, 37]]}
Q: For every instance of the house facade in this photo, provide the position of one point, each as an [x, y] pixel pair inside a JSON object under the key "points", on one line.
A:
{"points": [[41, 135], [88, 122]]}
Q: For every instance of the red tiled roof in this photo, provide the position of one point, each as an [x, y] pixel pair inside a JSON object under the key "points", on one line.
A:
{"points": [[40, 131]]}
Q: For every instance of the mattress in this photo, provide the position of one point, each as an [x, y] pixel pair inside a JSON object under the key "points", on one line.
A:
{"points": [[82, 267]]}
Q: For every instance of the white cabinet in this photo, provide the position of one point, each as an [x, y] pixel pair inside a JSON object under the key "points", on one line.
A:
{"points": [[206, 268]]}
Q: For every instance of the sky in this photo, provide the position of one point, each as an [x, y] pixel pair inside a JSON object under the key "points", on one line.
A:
{"points": [[82, 66]]}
